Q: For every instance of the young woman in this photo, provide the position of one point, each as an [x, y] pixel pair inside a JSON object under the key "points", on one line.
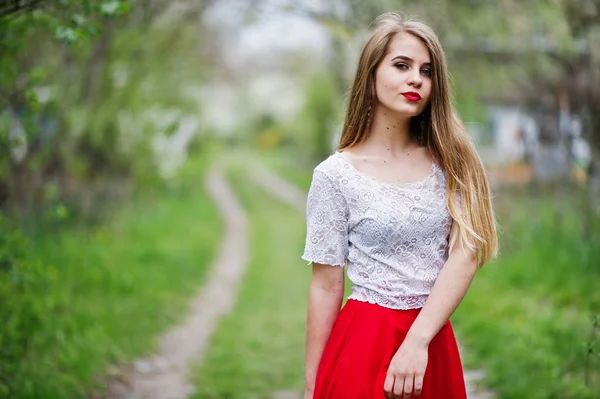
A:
{"points": [[405, 205]]}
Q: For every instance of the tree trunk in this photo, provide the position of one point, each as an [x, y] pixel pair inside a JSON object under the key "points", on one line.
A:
{"points": [[93, 76]]}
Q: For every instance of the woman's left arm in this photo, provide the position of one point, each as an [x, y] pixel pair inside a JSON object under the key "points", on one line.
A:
{"points": [[448, 291], [407, 368]]}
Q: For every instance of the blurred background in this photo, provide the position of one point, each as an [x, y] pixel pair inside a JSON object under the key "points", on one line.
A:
{"points": [[113, 111]]}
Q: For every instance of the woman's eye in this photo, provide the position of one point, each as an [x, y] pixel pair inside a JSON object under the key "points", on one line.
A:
{"points": [[426, 72], [400, 65]]}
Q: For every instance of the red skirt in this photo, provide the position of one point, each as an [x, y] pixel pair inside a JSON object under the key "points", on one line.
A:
{"points": [[363, 341]]}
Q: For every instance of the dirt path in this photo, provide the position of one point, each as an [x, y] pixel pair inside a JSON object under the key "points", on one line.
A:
{"points": [[286, 192], [165, 375]]}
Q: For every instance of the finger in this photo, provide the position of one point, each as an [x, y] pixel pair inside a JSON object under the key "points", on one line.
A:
{"points": [[408, 387], [398, 387], [388, 387], [418, 388]]}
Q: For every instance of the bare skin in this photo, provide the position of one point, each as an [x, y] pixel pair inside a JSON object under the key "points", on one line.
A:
{"points": [[325, 297], [389, 154]]}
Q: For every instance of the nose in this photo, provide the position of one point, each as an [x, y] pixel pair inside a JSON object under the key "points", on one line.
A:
{"points": [[415, 79]]}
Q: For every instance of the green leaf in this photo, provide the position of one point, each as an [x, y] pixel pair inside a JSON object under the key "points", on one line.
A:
{"points": [[110, 7], [79, 20], [38, 75], [62, 212], [31, 97], [66, 33]]}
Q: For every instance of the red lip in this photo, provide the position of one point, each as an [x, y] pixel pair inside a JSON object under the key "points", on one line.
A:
{"points": [[412, 96]]}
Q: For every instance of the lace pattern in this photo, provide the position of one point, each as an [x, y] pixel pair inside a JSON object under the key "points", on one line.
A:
{"points": [[393, 237]]}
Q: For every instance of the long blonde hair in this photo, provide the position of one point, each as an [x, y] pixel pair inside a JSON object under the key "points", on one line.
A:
{"points": [[438, 128]]}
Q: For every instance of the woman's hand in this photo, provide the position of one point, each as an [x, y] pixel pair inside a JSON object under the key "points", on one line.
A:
{"points": [[308, 393], [406, 371]]}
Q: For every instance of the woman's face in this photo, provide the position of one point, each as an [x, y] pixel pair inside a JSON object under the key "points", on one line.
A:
{"points": [[403, 77]]}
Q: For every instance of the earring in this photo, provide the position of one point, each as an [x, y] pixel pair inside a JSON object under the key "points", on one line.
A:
{"points": [[422, 135], [369, 116]]}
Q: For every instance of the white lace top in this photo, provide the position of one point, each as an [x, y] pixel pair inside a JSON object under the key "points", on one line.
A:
{"points": [[394, 237]]}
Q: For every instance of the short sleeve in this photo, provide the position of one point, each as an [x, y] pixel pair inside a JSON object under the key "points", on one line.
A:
{"points": [[326, 223]]}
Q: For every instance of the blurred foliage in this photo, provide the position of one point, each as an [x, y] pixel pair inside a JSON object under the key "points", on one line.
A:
{"points": [[85, 88], [321, 115], [540, 55], [76, 105], [529, 318], [319, 121], [76, 302]]}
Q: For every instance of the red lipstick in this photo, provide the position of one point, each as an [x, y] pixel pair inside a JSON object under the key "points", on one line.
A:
{"points": [[412, 96]]}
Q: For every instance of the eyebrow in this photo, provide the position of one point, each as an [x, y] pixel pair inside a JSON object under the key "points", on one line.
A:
{"points": [[405, 58]]}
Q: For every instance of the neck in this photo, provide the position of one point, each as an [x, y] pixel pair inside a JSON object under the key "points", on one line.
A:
{"points": [[390, 132]]}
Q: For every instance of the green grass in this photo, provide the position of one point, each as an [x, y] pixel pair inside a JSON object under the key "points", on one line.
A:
{"points": [[83, 299], [259, 348], [290, 166], [528, 317]]}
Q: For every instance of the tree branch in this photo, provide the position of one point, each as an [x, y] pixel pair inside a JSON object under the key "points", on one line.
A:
{"points": [[10, 7]]}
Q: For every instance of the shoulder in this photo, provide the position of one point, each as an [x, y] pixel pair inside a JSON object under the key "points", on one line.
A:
{"points": [[442, 182], [440, 172], [331, 174], [332, 167]]}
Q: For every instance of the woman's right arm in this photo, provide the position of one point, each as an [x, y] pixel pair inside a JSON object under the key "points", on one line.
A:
{"points": [[325, 296]]}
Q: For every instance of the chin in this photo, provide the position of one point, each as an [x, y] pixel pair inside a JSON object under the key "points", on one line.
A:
{"points": [[401, 108], [405, 112]]}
